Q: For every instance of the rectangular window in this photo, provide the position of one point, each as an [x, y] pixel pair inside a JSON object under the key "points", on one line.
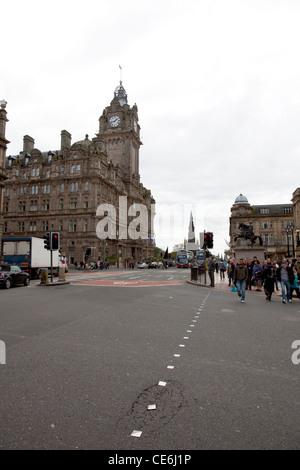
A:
{"points": [[85, 225], [22, 206], [33, 206], [60, 225], [21, 227], [287, 210], [72, 225], [32, 227], [73, 203], [62, 187], [45, 205], [61, 204], [45, 225]]}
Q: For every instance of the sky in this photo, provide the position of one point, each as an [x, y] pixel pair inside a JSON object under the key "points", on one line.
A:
{"points": [[216, 83]]}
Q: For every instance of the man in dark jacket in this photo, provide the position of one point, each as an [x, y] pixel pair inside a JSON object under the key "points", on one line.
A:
{"points": [[211, 271], [286, 277], [239, 279]]}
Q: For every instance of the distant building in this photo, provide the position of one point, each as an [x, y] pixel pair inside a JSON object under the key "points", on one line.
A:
{"points": [[277, 224], [3, 147], [61, 190]]}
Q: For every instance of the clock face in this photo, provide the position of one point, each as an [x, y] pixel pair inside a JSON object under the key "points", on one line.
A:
{"points": [[114, 121]]}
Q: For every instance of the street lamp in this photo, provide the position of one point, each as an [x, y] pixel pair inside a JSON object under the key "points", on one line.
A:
{"points": [[290, 227]]}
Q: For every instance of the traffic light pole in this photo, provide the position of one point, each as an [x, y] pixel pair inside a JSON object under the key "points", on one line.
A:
{"points": [[204, 247], [51, 258]]}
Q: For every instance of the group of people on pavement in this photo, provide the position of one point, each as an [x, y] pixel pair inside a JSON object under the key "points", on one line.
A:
{"points": [[267, 275], [246, 273]]}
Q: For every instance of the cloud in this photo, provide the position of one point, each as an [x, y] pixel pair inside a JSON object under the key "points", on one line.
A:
{"points": [[216, 84]]}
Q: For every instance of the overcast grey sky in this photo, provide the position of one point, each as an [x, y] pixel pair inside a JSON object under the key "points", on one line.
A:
{"points": [[216, 83]]}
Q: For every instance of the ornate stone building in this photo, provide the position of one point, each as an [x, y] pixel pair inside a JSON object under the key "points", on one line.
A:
{"points": [[277, 224], [3, 147], [61, 190]]}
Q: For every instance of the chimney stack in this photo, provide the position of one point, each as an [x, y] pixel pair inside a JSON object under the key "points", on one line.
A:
{"points": [[28, 144], [65, 140]]}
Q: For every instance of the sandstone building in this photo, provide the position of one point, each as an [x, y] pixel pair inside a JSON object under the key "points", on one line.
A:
{"points": [[277, 224], [61, 190], [3, 147]]}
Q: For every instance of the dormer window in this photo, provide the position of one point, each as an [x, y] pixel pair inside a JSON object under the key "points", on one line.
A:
{"points": [[49, 156], [26, 159]]}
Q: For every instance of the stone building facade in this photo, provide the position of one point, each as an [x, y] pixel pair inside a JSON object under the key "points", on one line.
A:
{"points": [[277, 224], [3, 146], [61, 190]]}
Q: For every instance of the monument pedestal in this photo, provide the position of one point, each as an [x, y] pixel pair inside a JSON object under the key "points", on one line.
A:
{"points": [[249, 252]]}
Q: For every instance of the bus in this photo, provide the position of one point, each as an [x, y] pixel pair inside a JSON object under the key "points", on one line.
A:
{"points": [[200, 258], [182, 259]]}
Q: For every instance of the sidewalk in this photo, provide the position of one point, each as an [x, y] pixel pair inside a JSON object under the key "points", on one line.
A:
{"points": [[222, 285]]}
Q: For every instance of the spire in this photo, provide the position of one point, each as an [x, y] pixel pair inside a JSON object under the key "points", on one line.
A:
{"points": [[191, 237]]}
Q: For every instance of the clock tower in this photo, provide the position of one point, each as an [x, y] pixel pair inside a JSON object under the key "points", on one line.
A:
{"points": [[120, 132]]}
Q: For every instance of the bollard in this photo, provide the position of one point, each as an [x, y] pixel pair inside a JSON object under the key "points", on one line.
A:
{"points": [[194, 274], [62, 274], [44, 276]]}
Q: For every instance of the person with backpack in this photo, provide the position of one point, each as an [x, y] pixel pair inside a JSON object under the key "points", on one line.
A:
{"points": [[268, 280]]}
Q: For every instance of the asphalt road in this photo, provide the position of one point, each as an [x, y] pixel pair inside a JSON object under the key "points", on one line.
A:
{"points": [[85, 361]]}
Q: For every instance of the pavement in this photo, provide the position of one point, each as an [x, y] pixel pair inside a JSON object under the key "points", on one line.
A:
{"points": [[222, 285]]}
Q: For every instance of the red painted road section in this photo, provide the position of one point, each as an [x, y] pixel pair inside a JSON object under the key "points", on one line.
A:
{"points": [[127, 283]]}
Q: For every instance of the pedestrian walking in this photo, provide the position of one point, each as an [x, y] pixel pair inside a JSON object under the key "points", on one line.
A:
{"points": [[285, 276], [230, 271], [257, 274], [211, 271], [249, 278], [239, 279], [295, 285], [268, 280], [276, 266], [222, 270]]}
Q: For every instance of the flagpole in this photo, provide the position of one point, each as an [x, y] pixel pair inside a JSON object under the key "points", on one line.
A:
{"points": [[120, 74]]}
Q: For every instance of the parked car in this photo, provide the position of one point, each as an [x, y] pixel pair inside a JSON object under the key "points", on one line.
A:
{"points": [[11, 275], [142, 265], [153, 265]]}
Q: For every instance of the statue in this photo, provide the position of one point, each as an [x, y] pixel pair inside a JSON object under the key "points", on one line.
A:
{"points": [[246, 232]]}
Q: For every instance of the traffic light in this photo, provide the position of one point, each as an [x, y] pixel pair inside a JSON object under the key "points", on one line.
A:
{"points": [[55, 245], [88, 251], [47, 241], [210, 240], [205, 241]]}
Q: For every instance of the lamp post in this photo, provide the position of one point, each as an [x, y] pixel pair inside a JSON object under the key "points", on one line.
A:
{"points": [[290, 227]]}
